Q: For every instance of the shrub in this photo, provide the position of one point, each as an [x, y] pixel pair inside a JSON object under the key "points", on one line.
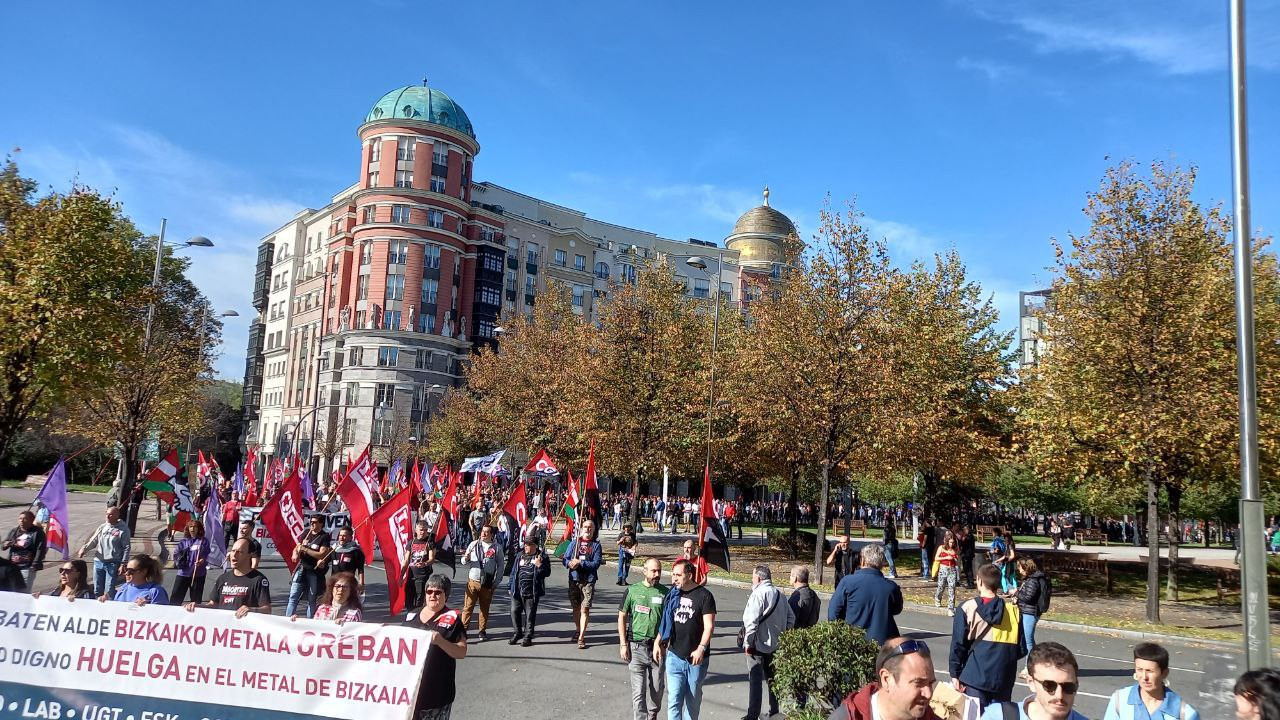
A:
{"points": [[780, 539], [821, 664]]}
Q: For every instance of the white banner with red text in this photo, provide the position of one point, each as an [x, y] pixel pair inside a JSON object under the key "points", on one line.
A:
{"points": [[118, 661]]}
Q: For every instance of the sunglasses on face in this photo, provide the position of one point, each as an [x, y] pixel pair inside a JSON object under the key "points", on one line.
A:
{"points": [[130, 571], [341, 586], [1051, 687], [65, 570], [435, 592]]}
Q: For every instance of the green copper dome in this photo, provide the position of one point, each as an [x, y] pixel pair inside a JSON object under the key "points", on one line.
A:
{"points": [[417, 102]]}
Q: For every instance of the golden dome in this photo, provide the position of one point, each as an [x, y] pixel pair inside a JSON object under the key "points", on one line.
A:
{"points": [[759, 234]]}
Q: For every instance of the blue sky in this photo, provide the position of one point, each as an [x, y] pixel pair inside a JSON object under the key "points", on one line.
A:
{"points": [[967, 124]]}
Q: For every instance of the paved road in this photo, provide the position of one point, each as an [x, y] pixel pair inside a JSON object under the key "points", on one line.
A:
{"points": [[554, 679]]}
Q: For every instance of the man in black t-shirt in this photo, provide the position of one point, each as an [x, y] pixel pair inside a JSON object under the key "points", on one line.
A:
{"points": [[688, 620], [312, 557], [437, 688], [242, 588]]}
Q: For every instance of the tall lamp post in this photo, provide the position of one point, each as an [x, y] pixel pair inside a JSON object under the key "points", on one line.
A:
{"points": [[698, 262], [200, 358], [1253, 567]]}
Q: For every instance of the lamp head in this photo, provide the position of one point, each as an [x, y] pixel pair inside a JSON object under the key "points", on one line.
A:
{"points": [[229, 313], [696, 262], [200, 241]]}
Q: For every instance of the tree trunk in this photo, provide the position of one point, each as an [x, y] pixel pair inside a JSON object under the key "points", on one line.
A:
{"points": [[820, 544], [1153, 550], [1175, 536], [793, 511], [635, 498]]}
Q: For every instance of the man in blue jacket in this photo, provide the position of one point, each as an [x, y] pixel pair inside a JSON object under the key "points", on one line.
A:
{"points": [[583, 559], [867, 599]]}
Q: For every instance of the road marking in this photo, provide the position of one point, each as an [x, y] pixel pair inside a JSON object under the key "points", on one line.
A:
{"points": [[1078, 692]]}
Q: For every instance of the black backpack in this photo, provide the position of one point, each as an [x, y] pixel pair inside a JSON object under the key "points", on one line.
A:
{"points": [[1042, 601]]}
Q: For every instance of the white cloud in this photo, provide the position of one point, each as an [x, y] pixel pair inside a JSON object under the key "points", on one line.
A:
{"points": [[906, 242], [990, 69], [154, 177], [723, 205], [1178, 38]]}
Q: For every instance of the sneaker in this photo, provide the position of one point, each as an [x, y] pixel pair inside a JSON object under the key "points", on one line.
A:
{"points": [[482, 636], [951, 612]]}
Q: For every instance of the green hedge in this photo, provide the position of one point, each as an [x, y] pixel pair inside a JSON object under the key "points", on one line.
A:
{"points": [[821, 664]]}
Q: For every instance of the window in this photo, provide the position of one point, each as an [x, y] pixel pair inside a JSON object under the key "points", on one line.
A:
{"points": [[399, 252], [366, 253], [627, 273], [391, 320], [487, 234], [578, 293], [348, 431], [580, 262], [429, 290], [560, 258], [426, 323], [384, 395], [355, 356], [381, 432], [362, 288], [375, 151], [431, 257], [352, 394], [405, 148], [421, 360], [485, 328], [488, 296], [437, 184], [701, 288], [529, 285], [511, 283], [359, 319], [726, 291], [395, 287], [435, 218], [373, 178], [492, 262], [404, 178], [602, 270], [440, 154], [400, 213], [369, 213], [532, 249]]}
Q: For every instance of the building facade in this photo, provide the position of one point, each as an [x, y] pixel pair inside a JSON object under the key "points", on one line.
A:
{"points": [[368, 307]]}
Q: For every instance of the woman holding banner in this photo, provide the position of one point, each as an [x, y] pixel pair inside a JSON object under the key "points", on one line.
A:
{"points": [[73, 582], [437, 688], [340, 602], [143, 582]]}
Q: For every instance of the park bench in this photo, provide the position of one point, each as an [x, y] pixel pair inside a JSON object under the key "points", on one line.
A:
{"points": [[1091, 535], [1085, 565], [987, 533], [858, 526]]}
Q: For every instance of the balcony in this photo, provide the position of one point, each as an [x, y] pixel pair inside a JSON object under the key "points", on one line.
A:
{"points": [[511, 295], [528, 299], [531, 268], [513, 263]]}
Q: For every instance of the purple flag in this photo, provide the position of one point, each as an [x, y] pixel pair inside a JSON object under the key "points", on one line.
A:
{"points": [[213, 531], [54, 497], [308, 492], [237, 484]]}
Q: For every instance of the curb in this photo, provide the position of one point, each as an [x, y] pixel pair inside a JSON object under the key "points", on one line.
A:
{"points": [[1052, 624]]}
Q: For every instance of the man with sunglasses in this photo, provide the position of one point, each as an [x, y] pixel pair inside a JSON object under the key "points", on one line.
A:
{"points": [[902, 688], [242, 589], [1053, 677]]}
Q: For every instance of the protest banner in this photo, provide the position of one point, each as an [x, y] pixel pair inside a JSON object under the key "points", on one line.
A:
{"points": [[110, 661]]}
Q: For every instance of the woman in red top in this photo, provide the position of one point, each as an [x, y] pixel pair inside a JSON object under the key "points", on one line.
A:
{"points": [[947, 560]]}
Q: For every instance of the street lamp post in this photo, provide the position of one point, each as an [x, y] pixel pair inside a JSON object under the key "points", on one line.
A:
{"points": [[701, 264], [200, 358]]}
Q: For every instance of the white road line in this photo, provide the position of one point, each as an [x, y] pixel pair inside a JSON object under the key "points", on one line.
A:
{"points": [[1078, 692], [1077, 654]]}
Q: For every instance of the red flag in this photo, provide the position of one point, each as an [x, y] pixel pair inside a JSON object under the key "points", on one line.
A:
{"points": [[444, 524], [591, 491], [475, 483], [541, 464], [415, 485], [516, 507], [393, 525], [250, 474], [357, 490], [282, 518], [713, 546]]}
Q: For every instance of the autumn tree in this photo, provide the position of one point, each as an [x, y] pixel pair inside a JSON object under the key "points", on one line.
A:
{"points": [[822, 356], [949, 417], [1138, 383], [645, 379], [67, 271]]}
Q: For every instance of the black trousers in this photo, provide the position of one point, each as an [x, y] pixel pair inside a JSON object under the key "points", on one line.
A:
{"points": [[524, 614], [415, 588], [181, 584]]}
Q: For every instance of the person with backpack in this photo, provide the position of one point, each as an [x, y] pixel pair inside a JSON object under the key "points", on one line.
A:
{"points": [[986, 643], [1151, 670], [486, 563], [1032, 597]]}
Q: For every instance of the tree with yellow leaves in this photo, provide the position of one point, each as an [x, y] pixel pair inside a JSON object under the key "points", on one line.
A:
{"points": [[1138, 384]]}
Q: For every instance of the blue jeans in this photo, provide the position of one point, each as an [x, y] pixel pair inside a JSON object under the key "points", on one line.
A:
{"points": [[106, 577], [924, 563], [624, 566], [1029, 630], [684, 687], [888, 556], [306, 582]]}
